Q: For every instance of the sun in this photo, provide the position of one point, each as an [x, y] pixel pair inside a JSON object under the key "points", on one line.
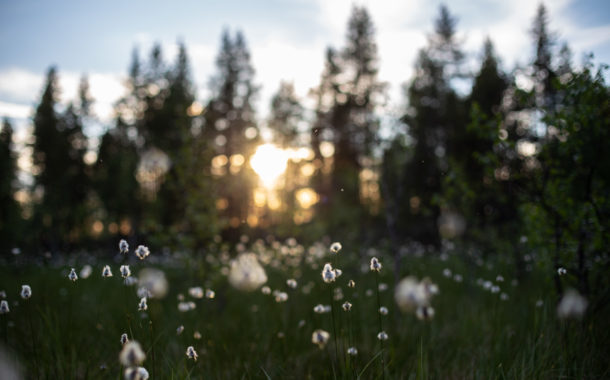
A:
{"points": [[269, 162]]}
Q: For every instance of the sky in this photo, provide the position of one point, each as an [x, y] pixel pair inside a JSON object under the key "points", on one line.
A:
{"points": [[287, 40]]}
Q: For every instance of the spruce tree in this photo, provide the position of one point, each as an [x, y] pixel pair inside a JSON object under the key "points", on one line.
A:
{"points": [[10, 218]]}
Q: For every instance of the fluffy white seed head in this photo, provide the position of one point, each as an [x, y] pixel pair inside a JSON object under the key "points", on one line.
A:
{"points": [[562, 271], [4, 309], [210, 294], [335, 247], [280, 296], [123, 246], [347, 306], [375, 265], [154, 281], [382, 335], [125, 271], [351, 284], [328, 274], [383, 310], [196, 292], [124, 339], [266, 290], [424, 313], [410, 294], [352, 351], [132, 355], [572, 305], [246, 273], [86, 271], [72, 276], [106, 272], [142, 305], [179, 330], [291, 283], [320, 337], [26, 292], [191, 353], [142, 252]]}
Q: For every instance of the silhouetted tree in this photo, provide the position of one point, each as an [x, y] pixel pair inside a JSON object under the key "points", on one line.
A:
{"points": [[10, 216]]}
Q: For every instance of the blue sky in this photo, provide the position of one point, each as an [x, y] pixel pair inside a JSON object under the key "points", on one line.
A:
{"points": [[287, 39]]}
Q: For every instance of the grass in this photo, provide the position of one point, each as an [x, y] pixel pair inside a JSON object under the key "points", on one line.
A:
{"points": [[75, 327]]}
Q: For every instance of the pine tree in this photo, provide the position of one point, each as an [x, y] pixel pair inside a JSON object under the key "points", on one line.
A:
{"points": [[10, 218], [436, 122], [229, 123], [286, 116]]}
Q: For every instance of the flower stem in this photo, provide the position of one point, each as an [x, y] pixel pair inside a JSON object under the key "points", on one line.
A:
{"points": [[380, 323]]}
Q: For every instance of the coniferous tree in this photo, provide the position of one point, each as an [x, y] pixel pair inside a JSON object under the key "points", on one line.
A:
{"points": [[286, 116], [435, 123], [229, 123], [10, 218]]}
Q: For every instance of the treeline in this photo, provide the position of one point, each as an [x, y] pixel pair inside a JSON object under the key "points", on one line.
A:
{"points": [[518, 164]]}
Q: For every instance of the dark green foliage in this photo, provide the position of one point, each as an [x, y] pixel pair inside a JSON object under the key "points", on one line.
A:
{"points": [[10, 213], [61, 182]]}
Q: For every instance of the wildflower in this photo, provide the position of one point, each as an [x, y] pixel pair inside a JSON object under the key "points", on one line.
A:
{"points": [[136, 373], [351, 284], [338, 272], [142, 305], [409, 294], [458, 278], [26, 292], [196, 292], [246, 273], [125, 271], [179, 330], [572, 305], [301, 323], [154, 281], [186, 306], [73, 276], [320, 337], [347, 306], [142, 252], [429, 287], [86, 271], [495, 289], [352, 351], [143, 292], [338, 296], [504, 296], [197, 335], [132, 355], [292, 283], [375, 265], [209, 294], [2, 294], [124, 339], [4, 309], [266, 290], [191, 353], [281, 297], [319, 309], [328, 274], [424, 313], [335, 247], [499, 278], [561, 271], [383, 310], [382, 336], [382, 287], [123, 246], [106, 272], [447, 272]]}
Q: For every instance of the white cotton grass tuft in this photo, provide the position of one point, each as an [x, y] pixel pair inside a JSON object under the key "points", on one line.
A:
{"points": [[26, 292], [72, 276], [125, 271], [335, 247], [4, 309], [280, 296], [179, 330], [320, 337], [196, 292], [375, 265], [266, 290], [186, 306], [154, 281], [382, 336], [291, 283], [142, 252], [328, 273], [347, 306], [132, 355], [123, 246], [136, 373], [191, 353], [246, 273], [351, 284], [85, 272], [106, 272], [352, 351], [143, 305], [210, 294], [124, 339], [572, 305], [383, 310], [561, 271], [409, 294]]}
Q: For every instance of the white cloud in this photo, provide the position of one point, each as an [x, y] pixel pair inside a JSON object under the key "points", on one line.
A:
{"points": [[15, 111], [19, 85]]}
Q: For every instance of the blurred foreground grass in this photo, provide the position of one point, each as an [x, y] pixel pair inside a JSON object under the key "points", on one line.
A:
{"points": [[71, 330]]}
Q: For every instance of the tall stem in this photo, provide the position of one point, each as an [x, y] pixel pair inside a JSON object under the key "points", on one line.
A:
{"points": [[380, 323]]}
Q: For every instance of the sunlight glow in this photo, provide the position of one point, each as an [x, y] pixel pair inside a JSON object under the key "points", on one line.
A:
{"points": [[269, 162]]}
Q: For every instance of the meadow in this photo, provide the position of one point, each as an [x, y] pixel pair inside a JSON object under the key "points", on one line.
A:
{"points": [[484, 323]]}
